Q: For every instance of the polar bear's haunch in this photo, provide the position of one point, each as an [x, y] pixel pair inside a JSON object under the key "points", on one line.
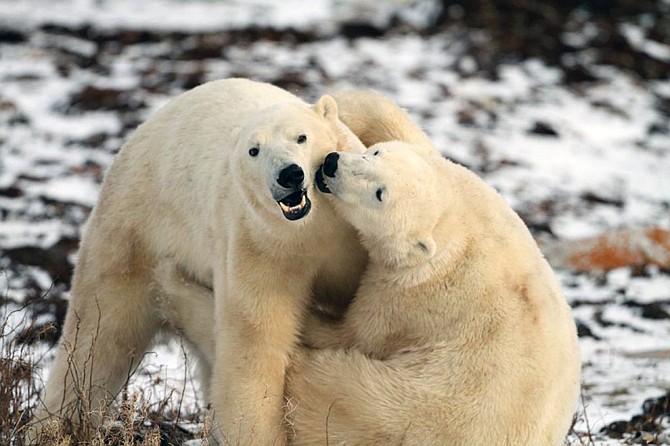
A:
{"points": [[459, 333], [220, 182]]}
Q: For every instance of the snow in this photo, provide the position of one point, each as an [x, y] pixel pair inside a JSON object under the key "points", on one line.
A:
{"points": [[602, 147], [636, 37], [16, 233], [173, 15], [67, 189]]}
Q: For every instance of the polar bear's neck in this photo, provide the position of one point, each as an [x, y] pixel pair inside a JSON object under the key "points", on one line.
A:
{"points": [[450, 251]]}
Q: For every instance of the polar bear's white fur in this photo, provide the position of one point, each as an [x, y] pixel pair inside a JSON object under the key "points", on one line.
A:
{"points": [[459, 333], [220, 181]]}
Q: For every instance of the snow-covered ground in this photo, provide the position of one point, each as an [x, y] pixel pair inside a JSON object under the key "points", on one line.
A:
{"points": [[76, 76]]}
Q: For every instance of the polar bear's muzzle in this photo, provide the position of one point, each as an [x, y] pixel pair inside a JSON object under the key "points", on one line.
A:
{"points": [[328, 169], [296, 205], [321, 182]]}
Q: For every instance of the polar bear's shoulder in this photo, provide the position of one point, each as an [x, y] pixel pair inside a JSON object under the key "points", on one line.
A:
{"points": [[375, 118]]}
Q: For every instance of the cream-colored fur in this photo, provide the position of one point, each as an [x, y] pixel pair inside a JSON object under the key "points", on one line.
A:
{"points": [[186, 187], [459, 334], [375, 118]]}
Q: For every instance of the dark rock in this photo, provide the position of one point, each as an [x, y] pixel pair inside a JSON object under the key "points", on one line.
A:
{"points": [[200, 47], [616, 429], [583, 331], [654, 310], [594, 197], [656, 407], [659, 128], [651, 420], [133, 36], [95, 140], [543, 128], [663, 105], [12, 36], [355, 30], [18, 119], [640, 271], [53, 260], [599, 318], [292, 81], [11, 192], [92, 98], [466, 117]]}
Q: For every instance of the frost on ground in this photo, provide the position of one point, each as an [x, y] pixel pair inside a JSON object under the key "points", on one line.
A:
{"points": [[573, 131]]}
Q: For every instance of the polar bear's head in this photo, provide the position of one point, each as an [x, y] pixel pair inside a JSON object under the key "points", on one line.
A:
{"points": [[390, 194], [279, 151]]}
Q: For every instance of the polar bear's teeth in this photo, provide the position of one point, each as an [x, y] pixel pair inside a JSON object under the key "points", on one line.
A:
{"points": [[296, 208]]}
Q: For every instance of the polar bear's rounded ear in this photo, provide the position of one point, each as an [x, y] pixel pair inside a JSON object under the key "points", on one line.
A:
{"points": [[326, 107], [426, 245]]}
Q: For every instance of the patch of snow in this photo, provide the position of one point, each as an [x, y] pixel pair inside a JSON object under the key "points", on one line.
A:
{"points": [[67, 189], [636, 37], [14, 234]]}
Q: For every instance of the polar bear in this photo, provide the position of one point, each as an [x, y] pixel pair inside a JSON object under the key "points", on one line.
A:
{"points": [[459, 333], [220, 181]]}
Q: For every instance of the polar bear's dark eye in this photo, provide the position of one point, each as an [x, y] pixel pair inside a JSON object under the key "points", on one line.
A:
{"points": [[379, 194], [376, 153], [253, 151], [302, 138]]}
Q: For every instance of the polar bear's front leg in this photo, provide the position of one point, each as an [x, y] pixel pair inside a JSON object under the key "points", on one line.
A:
{"points": [[259, 307]]}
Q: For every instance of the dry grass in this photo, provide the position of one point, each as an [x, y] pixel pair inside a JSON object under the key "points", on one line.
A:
{"points": [[19, 384], [575, 438], [135, 418]]}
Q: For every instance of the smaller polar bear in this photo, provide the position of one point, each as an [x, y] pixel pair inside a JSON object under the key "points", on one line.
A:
{"points": [[459, 333]]}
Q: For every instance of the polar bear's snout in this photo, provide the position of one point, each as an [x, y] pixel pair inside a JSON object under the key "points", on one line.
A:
{"points": [[291, 177], [330, 164], [296, 204], [328, 169]]}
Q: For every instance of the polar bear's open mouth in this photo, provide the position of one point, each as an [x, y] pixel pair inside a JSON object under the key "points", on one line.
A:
{"points": [[296, 205]]}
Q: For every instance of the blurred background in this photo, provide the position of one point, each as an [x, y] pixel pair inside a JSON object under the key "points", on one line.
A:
{"points": [[563, 106]]}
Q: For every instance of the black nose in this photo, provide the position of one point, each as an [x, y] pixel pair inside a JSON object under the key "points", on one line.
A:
{"points": [[330, 164], [291, 177]]}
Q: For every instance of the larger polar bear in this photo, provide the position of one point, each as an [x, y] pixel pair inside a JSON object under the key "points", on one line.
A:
{"points": [[220, 181], [459, 333]]}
